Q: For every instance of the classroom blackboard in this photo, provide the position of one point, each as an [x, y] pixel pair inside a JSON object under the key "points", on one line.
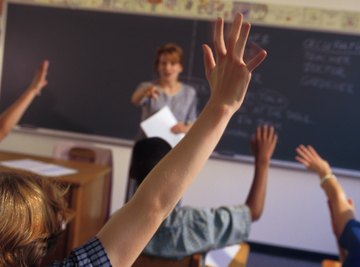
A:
{"points": [[307, 87]]}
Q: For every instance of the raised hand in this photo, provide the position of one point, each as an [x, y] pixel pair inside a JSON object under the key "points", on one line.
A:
{"points": [[228, 74], [39, 81], [263, 143], [308, 156]]}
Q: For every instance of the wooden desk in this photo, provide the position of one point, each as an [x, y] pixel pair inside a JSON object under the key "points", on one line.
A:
{"points": [[86, 197]]}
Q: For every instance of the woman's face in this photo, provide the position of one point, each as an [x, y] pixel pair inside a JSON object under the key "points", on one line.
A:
{"points": [[169, 68]]}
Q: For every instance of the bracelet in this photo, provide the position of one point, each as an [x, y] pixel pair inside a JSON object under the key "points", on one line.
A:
{"points": [[326, 177]]}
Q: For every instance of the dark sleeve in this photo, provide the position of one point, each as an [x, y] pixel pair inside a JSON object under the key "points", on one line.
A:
{"points": [[90, 254], [350, 241]]}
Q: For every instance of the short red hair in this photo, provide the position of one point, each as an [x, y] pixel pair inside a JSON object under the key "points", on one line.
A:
{"points": [[174, 51]]}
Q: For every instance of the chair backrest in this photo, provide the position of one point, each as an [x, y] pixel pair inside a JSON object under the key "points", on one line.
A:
{"points": [[150, 261], [103, 156], [238, 259], [231, 256], [85, 152], [146, 153], [82, 154], [241, 257]]}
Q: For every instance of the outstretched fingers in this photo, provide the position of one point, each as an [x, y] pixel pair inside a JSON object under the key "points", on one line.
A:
{"points": [[264, 130], [313, 152], [258, 133], [39, 80], [237, 42], [225, 69], [301, 153], [266, 140], [302, 161], [242, 40], [209, 61], [43, 70], [254, 62], [272, 136], [305, 155], [234, 37], [309, 152], [219, 43]]}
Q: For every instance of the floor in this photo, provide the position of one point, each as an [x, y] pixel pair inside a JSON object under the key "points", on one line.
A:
{"points": [[265, 260], [270, 256]]}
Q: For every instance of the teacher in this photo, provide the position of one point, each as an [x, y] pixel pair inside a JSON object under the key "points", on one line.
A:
{"points": [[167, 90]]}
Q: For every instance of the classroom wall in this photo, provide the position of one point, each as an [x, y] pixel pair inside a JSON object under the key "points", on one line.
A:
{"points": [[296, 212]]}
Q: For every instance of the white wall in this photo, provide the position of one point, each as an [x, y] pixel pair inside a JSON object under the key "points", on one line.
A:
{"points": [[296, 213]]}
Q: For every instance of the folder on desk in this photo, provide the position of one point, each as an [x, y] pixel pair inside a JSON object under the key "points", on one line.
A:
{"points": [[38, 167]]}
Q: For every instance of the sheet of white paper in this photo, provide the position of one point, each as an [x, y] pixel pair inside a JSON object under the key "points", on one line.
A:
{"points": [[38, 167], [221, 257], [159, 124]]}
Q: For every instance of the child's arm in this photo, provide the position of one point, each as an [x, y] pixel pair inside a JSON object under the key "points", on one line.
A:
{"points": [[263, 144], [129, 230], [11, 116]]}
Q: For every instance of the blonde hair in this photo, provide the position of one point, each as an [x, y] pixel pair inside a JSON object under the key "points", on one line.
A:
{"points": [[32, 210]]}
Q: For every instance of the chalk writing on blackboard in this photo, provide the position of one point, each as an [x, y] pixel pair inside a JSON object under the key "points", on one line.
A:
{"points": [[307, 88], [326, 64]]}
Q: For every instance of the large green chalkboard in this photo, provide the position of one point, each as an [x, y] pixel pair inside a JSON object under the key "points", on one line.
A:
{"points": [[308, 87]]}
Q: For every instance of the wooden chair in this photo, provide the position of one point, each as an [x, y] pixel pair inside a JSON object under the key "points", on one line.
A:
{"points": [[85, 152], [330, 263], [239, 260], [82, 154], [232, 256], [150, 261], [241, 257]]}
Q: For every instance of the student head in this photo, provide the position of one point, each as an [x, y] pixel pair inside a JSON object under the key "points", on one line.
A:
{"points": [[146, 154], [32, 210], [169, 61]]}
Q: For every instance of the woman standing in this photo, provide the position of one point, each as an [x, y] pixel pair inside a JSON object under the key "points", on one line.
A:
{"points": [[167, 90]]}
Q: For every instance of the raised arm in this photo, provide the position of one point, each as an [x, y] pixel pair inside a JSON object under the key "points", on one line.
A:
{"points": [[263, 144], [11, 116], [129, 230], [341, 208]]}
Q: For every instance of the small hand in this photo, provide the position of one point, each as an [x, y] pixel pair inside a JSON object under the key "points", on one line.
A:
{"points": [[308, 156], [179, 128], [229, 75], [263, 143], [39, 81], [152, 92]]}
